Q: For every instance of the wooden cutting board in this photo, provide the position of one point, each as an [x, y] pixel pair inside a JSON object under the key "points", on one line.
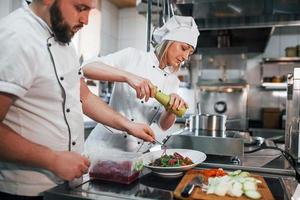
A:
{"points": [[263, 189]]}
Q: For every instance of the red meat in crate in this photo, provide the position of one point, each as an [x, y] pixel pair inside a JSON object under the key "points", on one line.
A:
{"points": [[120, 172]]}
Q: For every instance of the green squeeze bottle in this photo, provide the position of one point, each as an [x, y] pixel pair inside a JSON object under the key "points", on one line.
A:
{"points": [[164, 99]]}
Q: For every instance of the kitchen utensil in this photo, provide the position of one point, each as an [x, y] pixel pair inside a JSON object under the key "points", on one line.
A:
{"points": [[196, 156], [251, 143], [161, 144], [187, 191], [209, 122]]}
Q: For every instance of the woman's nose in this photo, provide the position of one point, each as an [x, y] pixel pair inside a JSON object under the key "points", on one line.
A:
{"points": [[186, 56]]}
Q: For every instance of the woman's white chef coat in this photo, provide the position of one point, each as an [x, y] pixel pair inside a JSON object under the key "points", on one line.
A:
{"points": [[47, 107], [124, 100]]}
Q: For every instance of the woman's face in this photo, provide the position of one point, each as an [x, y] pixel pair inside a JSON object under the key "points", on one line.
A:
{"points": [[177, 53]]}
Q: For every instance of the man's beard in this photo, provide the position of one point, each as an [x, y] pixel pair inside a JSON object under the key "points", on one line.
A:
{"points": [[62, 30]]}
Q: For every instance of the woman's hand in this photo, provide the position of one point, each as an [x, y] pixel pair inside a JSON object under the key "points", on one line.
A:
{"points": [[176, 102], [143, 87], [142, 131]]}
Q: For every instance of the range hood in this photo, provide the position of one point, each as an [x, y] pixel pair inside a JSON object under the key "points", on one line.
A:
{"points": [[235, 26], [230, 14]]}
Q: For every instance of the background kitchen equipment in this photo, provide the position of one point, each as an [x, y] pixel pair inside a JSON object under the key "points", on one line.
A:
{"points": [[226, 99], [251, 143], [226, 146], [207, 124], [271, 118], [292, 139]]}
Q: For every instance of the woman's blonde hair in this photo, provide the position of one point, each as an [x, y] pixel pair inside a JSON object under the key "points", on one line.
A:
{"points": [[161, 52]]}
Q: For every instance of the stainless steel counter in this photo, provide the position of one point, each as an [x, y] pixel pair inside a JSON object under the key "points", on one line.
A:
{"points": [[277, 173]]}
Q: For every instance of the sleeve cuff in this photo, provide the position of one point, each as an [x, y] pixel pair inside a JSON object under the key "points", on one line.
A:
{"points": [[12, 88]]}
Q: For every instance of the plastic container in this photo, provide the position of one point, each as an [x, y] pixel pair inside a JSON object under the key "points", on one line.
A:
{"points": [[115, 166]]}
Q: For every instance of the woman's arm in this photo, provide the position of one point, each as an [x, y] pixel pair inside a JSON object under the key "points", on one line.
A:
{"points": [[100, 71]]}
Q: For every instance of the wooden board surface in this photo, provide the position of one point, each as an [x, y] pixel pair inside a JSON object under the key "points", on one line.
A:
{"points": [[263, 189]]}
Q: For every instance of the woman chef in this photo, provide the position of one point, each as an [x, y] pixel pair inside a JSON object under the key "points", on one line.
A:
{"points": [[142, 71]]}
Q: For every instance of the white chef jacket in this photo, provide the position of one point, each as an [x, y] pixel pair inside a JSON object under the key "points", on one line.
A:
{"points": [[124, 100], [48, 109]]}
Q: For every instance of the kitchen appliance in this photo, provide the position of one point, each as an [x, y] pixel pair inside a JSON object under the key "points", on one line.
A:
{"points": [[207, 143], [228, 99], [292, 136], [213, 124], [249, 23]]}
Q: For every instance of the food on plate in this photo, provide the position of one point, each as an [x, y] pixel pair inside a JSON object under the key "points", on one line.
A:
{"points": [[175, 160], [234, 184]]}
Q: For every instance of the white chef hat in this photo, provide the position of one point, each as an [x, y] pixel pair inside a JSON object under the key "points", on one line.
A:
{"points": [[178, 28]]}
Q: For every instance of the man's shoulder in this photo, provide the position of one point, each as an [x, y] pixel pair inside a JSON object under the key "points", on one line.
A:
{"points": [[17, 24]]}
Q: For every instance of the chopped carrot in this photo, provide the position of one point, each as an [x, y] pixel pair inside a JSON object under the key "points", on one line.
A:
{"points": [[213, 172]]}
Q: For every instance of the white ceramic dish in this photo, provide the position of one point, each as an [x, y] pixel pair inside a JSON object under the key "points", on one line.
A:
{"points": [[196, 156]]}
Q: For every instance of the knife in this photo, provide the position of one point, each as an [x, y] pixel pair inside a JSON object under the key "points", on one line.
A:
{"points": [[188, 189]]}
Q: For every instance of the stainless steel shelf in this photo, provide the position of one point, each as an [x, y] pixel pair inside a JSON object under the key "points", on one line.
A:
{"points": [[281, 60], [274, 86]]}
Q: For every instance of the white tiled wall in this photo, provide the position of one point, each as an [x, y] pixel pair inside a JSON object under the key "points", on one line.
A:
{"points": [[132, 29], [7, 6], [4, 8], [121, 28], [283, 37], [109, 28]]}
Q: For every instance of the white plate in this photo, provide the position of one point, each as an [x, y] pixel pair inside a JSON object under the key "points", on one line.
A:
{"points": [[196, 156]]}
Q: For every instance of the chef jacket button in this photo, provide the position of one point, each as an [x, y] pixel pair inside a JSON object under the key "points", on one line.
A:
{"points": [[165, 74], [132, 119], [154, 121], [61, 78], [142, 101], [139, 142], [153, 66], [155, 107], [49, 44], [68, 110], [125, 136], [73, 143], [79, 73]]}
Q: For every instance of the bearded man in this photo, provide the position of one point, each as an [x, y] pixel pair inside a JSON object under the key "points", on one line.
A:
{"points": [[43, 97]]}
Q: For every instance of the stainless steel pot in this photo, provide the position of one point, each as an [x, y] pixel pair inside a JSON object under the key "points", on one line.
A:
{"points": [[208, 122]]}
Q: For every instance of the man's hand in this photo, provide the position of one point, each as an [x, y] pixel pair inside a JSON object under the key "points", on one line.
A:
{"points": [[176, 102], [69, 165], [142, 131], [143, 87]]}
